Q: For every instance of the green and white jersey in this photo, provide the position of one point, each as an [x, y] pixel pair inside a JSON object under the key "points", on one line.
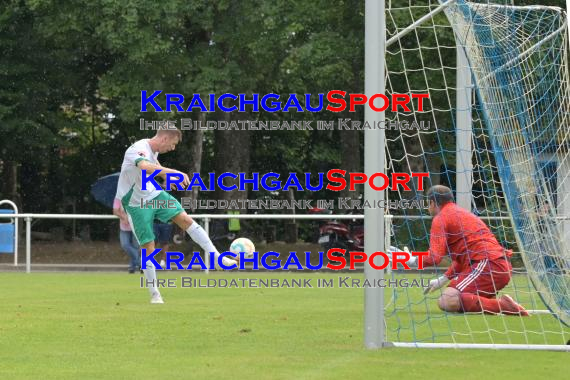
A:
{"points": [[131, 175]]}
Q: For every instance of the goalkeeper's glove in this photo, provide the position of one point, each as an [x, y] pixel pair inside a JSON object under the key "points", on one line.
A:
{"points": [[436, 283], [412, 260]]}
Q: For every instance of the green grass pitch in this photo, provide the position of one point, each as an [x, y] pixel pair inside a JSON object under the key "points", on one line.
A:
{"points": [[101, 326]]}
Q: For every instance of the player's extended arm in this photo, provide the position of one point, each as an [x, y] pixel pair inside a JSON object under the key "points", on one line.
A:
{"points": [[436, 283], [441, 281], [437, 243], [453, 269], [413, 260], [150, 167], [437, 251]]}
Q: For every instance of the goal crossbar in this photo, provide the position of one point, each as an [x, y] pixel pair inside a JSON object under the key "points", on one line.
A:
{"points": [[419, 22], [528, 51]]}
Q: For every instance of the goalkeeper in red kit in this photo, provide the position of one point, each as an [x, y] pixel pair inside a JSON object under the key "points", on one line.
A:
{"points": [[480, 265]]}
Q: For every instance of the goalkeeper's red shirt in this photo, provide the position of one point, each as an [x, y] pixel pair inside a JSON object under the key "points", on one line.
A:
{"points": [[462, 235]]}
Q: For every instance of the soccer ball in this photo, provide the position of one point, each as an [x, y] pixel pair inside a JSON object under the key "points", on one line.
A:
{"points": [[242, 245]]}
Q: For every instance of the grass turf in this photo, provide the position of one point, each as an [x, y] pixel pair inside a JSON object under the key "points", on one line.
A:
{"points": [[98, 326]]}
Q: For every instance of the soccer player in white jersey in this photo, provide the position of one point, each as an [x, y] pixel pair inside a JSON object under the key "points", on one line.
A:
{"points": [[143, 155]]}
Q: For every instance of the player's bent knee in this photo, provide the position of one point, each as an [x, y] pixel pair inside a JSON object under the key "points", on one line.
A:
{"points": [[451, 305], [183, 220], [450, 300], [442, 304]]}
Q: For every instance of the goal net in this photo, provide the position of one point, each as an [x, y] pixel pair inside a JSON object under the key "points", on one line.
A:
{"points": [[496, 130]]}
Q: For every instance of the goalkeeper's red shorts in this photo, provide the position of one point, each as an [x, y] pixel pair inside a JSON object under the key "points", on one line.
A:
{"points": [[484, 278]]}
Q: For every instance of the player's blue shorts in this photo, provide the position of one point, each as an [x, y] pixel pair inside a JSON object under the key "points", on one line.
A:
{"points": [[163, 232]]}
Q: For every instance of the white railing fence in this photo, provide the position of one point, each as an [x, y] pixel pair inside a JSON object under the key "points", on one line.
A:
{"points": [[206, 218]]}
